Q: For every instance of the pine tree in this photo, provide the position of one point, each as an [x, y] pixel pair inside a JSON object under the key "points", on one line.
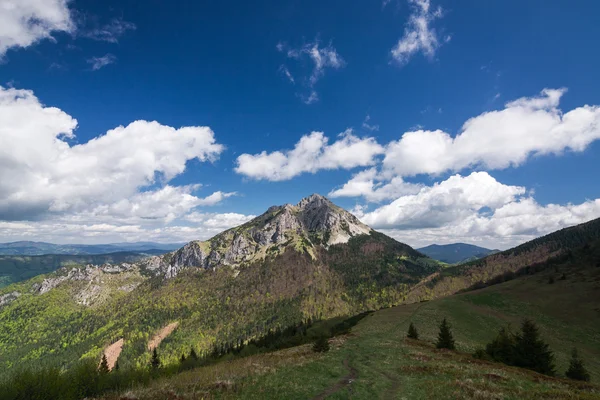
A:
{"points": [[412, 332], [531, 352], [104, 365], [155, 361], [321, 345], [445, 339], [182, 359], [502, 348], [576, 369]]}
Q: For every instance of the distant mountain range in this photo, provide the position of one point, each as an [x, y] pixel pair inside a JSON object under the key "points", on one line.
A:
{"points": [[27, 248], [456, 253]]}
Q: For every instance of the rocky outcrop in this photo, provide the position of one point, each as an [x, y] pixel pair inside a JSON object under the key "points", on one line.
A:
{"points": [[8, 298]]}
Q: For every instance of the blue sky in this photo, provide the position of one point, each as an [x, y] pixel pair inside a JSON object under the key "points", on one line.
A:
{"points": [[379, 89]]}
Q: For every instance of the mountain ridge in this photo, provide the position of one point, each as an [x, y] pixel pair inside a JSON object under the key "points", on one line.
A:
{"points": [[454, 253]]}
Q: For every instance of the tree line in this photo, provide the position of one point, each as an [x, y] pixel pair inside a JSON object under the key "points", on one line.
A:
{"points": [[525, 349]]}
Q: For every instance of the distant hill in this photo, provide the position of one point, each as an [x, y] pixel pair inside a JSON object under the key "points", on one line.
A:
{"points": [[456, 252], [27, 248], [15, 269], [530, 257]]}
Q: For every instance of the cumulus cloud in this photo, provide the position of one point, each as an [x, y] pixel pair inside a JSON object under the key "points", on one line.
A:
{"points": [[41, 172], [101, 62], [475, 209], [311, 154], [370, 185], [321, 59], [526, 127], [25, 22], [419, 35], [444, 202]]}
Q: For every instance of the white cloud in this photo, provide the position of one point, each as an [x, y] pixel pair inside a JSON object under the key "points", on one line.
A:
{"points": [[25, 22], [42, 173], [373, 187], [444, 202], [475, 209], [196, 226], [285, 71], [321, 58], [100, 62], [369, 127], [498, 139], [110, 32], [311, 154], [419, 36]]}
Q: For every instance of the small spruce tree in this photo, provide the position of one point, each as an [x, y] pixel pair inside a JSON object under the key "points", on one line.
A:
{"points": [[445, 339], [321, 345], [182, 359], [104, 365], [531, 351], [155, 361], [576, 369], [412, 332], [502, 348]]}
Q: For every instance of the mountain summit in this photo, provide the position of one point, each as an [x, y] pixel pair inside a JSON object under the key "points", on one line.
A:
{"points": [[314, 221]]}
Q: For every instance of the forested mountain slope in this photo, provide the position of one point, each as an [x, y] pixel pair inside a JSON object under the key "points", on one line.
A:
{"points": [[294, 263]]}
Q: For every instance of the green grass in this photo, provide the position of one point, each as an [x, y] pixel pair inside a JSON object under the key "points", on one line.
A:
{"points": [[390, 366]]}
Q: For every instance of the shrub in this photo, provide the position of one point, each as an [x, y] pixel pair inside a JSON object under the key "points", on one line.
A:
{"points": [[321, 345]]}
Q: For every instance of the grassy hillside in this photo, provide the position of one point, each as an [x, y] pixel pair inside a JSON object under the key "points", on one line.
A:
{"points": [[221, 306], [19, 268], [557, 247], [381, 363]]}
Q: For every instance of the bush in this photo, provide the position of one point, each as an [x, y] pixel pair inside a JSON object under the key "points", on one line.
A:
{"points": [[321, 345], [481, 354], [445, 339]]}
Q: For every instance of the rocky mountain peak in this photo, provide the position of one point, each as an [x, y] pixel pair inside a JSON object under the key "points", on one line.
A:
{"points": [[313, 201], [314, 221]]}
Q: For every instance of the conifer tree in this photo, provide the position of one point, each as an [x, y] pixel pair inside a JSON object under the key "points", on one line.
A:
{"points": [[321, 345], [576, 369], [182, 359], [412, 332], [155, 361], [502, 348], [104, 365], [445, 339], [531, 352], [116, 367]]}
